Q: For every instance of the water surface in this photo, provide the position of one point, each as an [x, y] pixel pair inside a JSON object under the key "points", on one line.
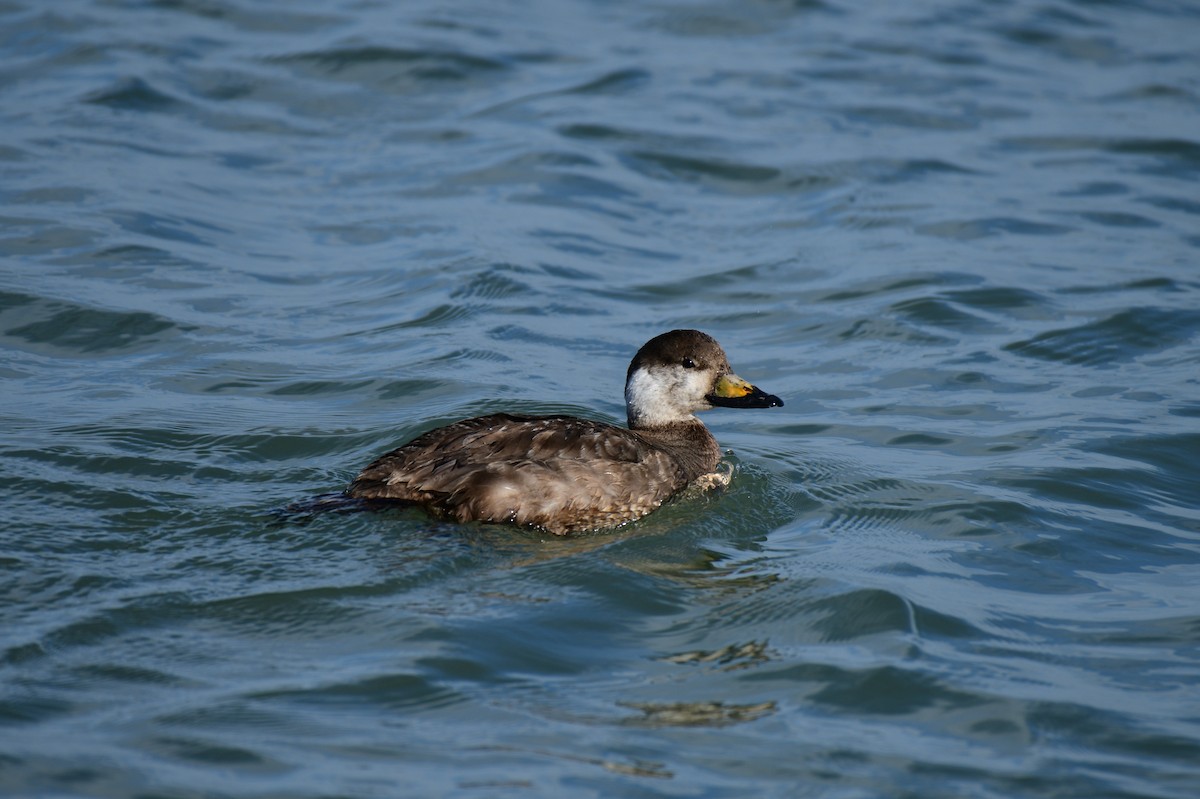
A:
{"points": [[246, 247]]}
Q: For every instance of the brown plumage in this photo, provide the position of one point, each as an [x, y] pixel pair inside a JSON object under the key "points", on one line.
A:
{"points": [[564, 474]]}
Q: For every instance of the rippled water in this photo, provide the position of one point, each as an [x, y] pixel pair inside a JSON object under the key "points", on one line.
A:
{"points": [[248, 246]]}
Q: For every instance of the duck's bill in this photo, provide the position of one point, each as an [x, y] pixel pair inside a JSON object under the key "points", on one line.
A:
{"points": [[732, 391]]}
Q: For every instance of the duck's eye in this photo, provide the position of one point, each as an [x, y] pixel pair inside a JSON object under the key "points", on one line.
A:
{"points": [[688, 363]]}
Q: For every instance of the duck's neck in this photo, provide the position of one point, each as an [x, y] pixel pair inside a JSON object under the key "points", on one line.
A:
{"points": [[689, 442]]}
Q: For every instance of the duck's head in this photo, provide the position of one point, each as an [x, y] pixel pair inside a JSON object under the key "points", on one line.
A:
{"points": [[679, 373]]}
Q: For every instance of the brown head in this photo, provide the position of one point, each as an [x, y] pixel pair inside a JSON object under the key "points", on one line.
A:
{"points": [[682, 372]]}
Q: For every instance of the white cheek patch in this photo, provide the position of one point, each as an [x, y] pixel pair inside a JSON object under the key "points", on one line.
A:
{"points": [[656, 396], [696, 386]]}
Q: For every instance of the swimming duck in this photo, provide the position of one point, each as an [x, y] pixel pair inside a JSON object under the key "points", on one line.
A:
{"points": [[563, 474]]}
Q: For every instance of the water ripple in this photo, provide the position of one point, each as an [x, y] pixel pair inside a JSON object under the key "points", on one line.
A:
{"points": [[394, 69], [246, 248], [1132, 333], [72, 329]]}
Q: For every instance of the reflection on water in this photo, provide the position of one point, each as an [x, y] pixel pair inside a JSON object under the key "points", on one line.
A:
{"points": [[697, 714], [247, 248]]}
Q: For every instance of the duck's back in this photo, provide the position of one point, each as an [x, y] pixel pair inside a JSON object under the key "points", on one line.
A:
{"points": [[556, 472]]}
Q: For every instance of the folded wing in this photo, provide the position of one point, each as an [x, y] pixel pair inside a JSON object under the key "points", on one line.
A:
{"points": [[559, 473]]}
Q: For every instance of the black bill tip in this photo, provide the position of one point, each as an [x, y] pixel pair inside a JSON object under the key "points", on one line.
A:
{"points": [[756, 398]]}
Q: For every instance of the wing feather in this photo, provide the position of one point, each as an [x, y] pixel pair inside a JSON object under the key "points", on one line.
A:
{"points": [[556, 472]]}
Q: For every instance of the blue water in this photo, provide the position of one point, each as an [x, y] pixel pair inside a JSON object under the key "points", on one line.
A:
{"points": [[245, 247]]}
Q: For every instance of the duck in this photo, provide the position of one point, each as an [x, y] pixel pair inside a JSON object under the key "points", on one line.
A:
{"points": [[563, 474]]}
